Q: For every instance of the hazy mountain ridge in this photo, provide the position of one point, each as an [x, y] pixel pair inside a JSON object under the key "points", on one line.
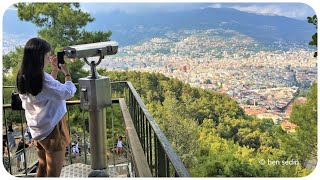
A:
{"points": [[129, 29]]}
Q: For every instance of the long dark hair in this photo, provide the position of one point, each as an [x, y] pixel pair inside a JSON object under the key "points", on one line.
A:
{"points": [[30, 75]]}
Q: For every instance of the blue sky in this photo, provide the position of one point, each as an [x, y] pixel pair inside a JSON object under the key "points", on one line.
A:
{"points": [[293, 10]]}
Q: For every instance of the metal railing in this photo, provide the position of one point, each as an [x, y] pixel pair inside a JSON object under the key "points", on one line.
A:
{"points": [[29, 155], [162, 159], [28, 158]]}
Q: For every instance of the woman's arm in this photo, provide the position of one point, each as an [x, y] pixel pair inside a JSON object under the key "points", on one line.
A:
{"points": [[54, 73], [54, 66]]}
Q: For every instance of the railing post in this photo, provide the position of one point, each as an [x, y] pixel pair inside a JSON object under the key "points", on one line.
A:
{"points": [[155, 153], [147, 145], [24, 148], [7, 140], [69, 149], [150, 148], [162, 162], [143, 133]]}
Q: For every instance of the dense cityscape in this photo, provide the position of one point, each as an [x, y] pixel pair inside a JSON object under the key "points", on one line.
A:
{"points": [[11, 41], [264, 80]]}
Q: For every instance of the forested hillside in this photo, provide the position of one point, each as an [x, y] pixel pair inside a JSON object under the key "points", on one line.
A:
{"points": [[211, 133], [214, 137]]}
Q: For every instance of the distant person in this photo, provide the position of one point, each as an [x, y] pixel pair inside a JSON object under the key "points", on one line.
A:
{"points": [[6, 163], [20, 152], [11, 139], [28, 133], [119, 147], [43, 98], [75, 149]]}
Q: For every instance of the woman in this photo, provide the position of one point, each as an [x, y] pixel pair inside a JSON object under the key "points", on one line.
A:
{"points": [[119, 146], [75, 149], [43, 99]]}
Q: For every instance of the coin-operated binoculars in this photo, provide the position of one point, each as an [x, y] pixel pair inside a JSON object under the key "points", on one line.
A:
{"points": [[95, 96]]}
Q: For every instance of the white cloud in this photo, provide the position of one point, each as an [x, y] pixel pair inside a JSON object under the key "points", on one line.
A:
{"points": [[215, 6], [299, 11], [259, 10], [12, 8]]}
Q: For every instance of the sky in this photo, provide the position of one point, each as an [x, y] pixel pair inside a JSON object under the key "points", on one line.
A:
{"points": [[292, 10]]}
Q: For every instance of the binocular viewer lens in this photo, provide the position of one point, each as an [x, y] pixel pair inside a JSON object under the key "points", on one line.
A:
{"points": [[88, 50]]}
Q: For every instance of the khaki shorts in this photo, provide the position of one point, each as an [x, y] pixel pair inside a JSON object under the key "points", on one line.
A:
{"points": [[58, 139]]}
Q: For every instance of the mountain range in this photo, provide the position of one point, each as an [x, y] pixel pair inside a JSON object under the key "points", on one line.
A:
{"points": [[129, 29]]}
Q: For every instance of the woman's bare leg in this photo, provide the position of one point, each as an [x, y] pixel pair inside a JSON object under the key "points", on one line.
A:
{"points": [[120, 151], [55, 162], [42, 167], [117, 152]]}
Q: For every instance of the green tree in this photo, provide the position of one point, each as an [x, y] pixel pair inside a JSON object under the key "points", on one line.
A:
{"points": [[305, 116], [314, 42], [61, 24], [181, 132]]}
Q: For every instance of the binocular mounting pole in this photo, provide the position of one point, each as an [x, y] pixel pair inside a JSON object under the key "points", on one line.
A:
{"points": [[95, 96]]}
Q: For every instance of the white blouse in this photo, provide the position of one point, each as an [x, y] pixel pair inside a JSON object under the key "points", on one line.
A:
{"points": [[119, 143], [44, 111]]}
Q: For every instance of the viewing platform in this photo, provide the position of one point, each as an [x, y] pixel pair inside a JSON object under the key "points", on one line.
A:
{"points": [[147, 151]]}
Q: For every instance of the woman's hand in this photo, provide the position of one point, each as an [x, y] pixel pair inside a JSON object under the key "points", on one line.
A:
{"points": [[54, 63], [64, 69], [54, 66]]}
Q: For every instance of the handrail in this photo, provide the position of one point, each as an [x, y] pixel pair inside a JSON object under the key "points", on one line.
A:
{"points": [[138, 155], [69, 103]]}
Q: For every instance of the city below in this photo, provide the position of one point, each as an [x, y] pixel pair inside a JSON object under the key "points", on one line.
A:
{"points": [[264, 79]]}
